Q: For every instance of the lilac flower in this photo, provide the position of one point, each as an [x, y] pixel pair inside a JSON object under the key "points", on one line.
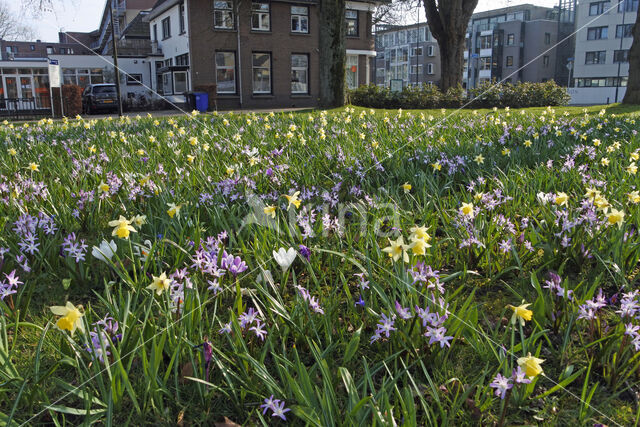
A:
{"points": [[248, 317], [501, 384], [269, 403], [360, 302], [226, 328], [305, 252], [260, 333], [519, 376], [505, 246], [214, 286], [364, 284], [74, 248], [233, 264], [280, 410], [99, 344], [404, 313], [438, 335], [385, 326]]}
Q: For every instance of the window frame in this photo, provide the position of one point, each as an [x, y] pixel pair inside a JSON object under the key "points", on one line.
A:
{"points": [[598, 33], [599, 7], [629, 5], [624, 52], [253, 70], [259, 13], [511, 39], [508, 63], [430, 70], [306, 74], [234, 67], [166, 31], [351, 19], [299, 17], [181, 19], [598, 57], [186, 81], [221, 11], [624, 31], [547, 38], [133, 80]]}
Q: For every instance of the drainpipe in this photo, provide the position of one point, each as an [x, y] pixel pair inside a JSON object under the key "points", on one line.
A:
{"points": [[239, 52]]}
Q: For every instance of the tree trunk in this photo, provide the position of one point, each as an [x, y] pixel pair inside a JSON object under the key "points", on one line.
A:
{"points": [[448, 22], [332, 53], [632, 95]]}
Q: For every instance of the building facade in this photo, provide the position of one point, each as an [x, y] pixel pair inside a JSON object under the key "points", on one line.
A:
{"points": [[408, 53], [511, 44], [602, 50]]}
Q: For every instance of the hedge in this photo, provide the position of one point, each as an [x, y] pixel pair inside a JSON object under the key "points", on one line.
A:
{"points": [[486, 95]]}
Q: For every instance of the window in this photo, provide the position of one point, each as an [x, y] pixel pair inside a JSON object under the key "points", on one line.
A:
{"points": [[547, 38], [134, 79], [511, 39], [598, 8], [299, 19], [167, 84], [226, 72], [628, 6], [597, 33], [299, 73], [351, 16], [166, 28], [416, 69], [416, 51], [63, 51], [50, 50], [180, 82], [545, 61], [155, 32], [485, 63], [602, 82], [12, 49], [509, 62], [182, 28], [352, 71], [624, 30], [182, 59], [621, 56], [32, 47], [596, 57], [484, 42], [430, 68], [261, 65], [430, 50], [223, 15], [260, 16]]}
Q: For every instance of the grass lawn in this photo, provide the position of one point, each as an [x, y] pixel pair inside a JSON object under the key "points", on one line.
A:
{"points": [[345, 267]]}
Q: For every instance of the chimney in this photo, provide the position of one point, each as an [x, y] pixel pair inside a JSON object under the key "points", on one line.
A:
{"points": [[38, 41]]}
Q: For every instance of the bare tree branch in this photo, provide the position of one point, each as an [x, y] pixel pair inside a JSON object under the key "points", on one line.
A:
{"points": [[10, 26]]}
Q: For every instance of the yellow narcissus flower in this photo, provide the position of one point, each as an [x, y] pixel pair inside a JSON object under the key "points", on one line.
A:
{"points": [[596, 142], [71, 318], [12, 151], [190, 158], [479, 159], [104, 188], [160, 283], [604, 161], [531, 365], [615, 217], [139, 220], [561, 199], [406, 187], [436, 166], [34, 167], [122, 227], [591, 194], [230, 171], [632, 168], [634, 197], [418, 246], [527, 143], [635, 156], [270, 210], [467, 209], [173, 209], [92, 148], [293, 200], [601, 203], [140, 152], [520, 313], [419, 233], [506, 152], [397, 249]]}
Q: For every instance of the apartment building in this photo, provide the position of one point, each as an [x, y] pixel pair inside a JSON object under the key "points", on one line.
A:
{"points": [[602, 49], [511, 44], [407, 53]]}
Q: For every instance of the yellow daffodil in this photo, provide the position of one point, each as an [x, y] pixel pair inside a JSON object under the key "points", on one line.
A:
{"points": [[173, 209], [419, 233], [418, 246], [596, 142], [467, 209], [293, 200], [592, 193], [160, 283], [406, 187], [561, 199], [230, 171], [34, 167], [479, 159], [71, 318], [190, 158], [139, 220], [604, 161], [92, 149], [520, 313], [527, 143], [270, 210], [397, 250], [601, 203], [12, 151], [634, 197], [506, 152], [635, 156], [531, 365], [615, 217], [122, 227], [104, 188], [436, 166], [632, 168]]}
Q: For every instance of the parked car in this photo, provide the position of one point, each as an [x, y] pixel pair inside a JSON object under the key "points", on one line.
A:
{"points": [[99, 97]]}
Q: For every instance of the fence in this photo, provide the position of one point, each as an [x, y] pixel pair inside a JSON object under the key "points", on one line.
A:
{"points": [[25, 108]]}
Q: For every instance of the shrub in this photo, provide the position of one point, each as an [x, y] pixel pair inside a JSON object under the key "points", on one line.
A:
{"points": [[72, 95], [486, 95]]}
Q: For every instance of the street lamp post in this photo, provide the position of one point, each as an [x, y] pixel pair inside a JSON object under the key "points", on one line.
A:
{"points": [[115, 62]]}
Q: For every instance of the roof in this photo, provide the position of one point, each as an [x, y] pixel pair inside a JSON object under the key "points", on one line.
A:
{"points": [[160, 7]]}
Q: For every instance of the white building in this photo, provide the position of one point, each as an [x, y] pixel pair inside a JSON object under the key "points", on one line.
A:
{"points": [[170, 33], [601, 59]]}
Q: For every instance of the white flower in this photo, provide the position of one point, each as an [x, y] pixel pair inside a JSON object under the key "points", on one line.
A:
{"points": [[142, 251], [285, 257], [106, 250]]}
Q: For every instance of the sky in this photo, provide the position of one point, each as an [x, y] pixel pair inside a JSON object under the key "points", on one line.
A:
{"points": [[84, 15]]}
